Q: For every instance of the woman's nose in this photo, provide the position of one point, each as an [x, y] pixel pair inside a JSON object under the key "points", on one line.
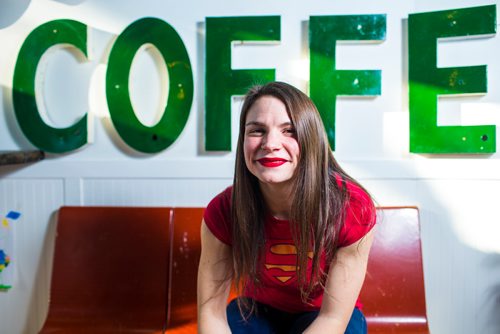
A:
{"points": [[271, 142]]}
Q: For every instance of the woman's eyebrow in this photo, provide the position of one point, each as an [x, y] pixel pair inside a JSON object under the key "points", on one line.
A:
{"points": [[254, 123], [262, 124]]}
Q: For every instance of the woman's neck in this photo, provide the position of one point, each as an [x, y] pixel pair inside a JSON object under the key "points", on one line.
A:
{"points": [[278, 199]]}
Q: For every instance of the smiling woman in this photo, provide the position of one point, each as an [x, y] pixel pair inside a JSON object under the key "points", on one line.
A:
{"points": [[293, 232]]}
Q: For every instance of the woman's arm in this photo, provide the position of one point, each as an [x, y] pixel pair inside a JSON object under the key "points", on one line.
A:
{"points": [[343, 285], [214, 283]]}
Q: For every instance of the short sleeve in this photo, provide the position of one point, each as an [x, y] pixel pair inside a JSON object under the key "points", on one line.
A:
{"points": [[217, 216], [360, 216]]}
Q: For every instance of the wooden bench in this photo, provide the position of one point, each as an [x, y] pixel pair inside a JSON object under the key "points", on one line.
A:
{"points": [[134, 270]]}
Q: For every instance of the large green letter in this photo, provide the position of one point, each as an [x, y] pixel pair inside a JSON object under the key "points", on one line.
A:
{"points": [[221, 81], [43, 136], [427, 81], [326, 82], [167, 41]]}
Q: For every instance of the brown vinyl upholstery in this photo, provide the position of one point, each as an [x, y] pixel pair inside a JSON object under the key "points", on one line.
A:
{"points": [[393, 294], [110, 271], [185, 258]]}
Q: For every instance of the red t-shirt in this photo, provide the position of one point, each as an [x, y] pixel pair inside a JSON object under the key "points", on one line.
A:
{"points": [[279, 287]]}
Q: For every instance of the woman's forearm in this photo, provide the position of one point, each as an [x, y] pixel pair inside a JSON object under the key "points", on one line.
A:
{"points": [[345, 278], [214, 283]]}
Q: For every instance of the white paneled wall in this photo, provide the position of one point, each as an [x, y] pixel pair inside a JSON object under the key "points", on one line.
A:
{"points": [[24, 307], [151, 192]]}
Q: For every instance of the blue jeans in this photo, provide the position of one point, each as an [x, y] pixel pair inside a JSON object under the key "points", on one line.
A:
{"points": [[267, 320]]}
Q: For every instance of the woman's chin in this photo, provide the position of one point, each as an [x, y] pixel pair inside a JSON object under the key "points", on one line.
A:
{"points": [[273, 181]]}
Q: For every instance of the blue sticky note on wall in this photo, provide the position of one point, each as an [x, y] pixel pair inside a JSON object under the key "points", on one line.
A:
{"points": [[13, 215], [2, 257]]}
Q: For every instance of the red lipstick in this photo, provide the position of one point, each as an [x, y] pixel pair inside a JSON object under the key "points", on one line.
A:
{"points": [[271, 162]]}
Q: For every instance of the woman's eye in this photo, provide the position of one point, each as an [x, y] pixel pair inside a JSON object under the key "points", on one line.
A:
{"points": [[290, 131], [257, 131]]}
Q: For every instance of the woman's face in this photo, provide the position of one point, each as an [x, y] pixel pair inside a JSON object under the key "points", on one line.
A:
{"points": [[270, 144]]}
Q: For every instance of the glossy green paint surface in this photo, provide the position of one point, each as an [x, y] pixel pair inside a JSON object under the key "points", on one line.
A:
{"points": [[180, 96], [327, 82], [40, 134], [222, 82], [427, 81]]}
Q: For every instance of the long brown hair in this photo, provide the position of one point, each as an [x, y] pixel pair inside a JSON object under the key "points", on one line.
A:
{"points": [[318, 204]]}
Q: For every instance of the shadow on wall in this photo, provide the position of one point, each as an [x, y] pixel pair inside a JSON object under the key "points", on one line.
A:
{"points": [[70, 2], [41, 288], [492, 301], [11, 11]]}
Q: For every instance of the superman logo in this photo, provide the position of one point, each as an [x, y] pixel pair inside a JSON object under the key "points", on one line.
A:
{"points": [[281, 262]]}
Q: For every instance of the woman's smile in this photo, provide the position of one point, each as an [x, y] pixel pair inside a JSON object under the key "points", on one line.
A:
{"points": [[272, 162]]}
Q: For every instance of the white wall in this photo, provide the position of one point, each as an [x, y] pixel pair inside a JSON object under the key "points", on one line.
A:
{"points": [[457, 195]]}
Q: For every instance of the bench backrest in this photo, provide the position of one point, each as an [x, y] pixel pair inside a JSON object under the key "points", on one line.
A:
{"points": [[393, 294], [110, 270], [123, 269]]}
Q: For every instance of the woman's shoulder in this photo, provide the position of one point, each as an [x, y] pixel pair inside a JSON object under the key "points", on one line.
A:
{"points": [[221, 202], [360, 213], [356, 193], [217, 215]]}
